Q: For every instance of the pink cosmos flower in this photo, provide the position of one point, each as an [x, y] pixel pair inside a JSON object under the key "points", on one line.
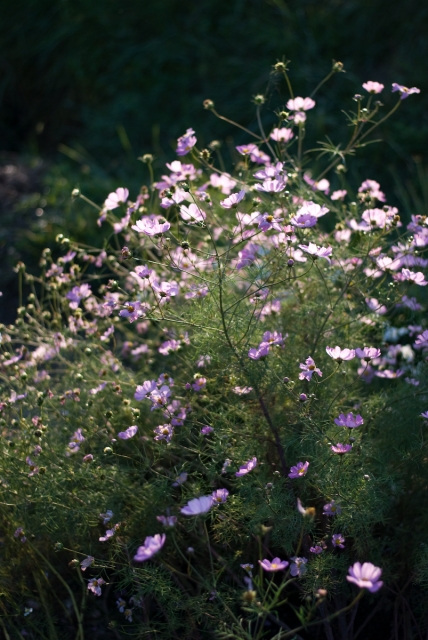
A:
{"points": [[242, 391], [167, 521], [199, 384], [233, 200], [340, 354], [115, 198], [338, 540], [281, 135], [77, 294], [422, 341], [192, 213], [367, 353], [151, 226], [340, 448], [320, 185], [246, 149], [339, 194], [271, 186], [266, 222], [424, 415], [223, 182], [388, 374], [404, 91], [299, 470], [300, 104], [76, 439], [134, 310], [365, 576], [142, 391], [246, 468], [88, 458], [373, 87], [373, 189], [298, 566], [109, 533], [317, 252], [128, 433], [255, 353], [94, 585], [165, 291], [313, 209], [272, 172], [206, 430], [412, 276], [276, 565], [197, 506], [332, 509], [152, 544], [308, 369], [160, 397], [220, 496], [304, 221], [349, 420], [186, 142]]}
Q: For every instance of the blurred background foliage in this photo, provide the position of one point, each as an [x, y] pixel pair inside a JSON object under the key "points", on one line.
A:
{"points": [[87, 86]]}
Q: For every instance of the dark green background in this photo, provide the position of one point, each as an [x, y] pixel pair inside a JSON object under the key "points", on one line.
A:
{"points": [[89, 85]]}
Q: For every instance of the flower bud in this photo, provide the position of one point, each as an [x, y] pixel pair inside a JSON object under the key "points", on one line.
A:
{"points": [[147, 158], [249, 596], [280, 67], [208, 104], [75, 193], [303, 397], [337, 66], [108, 450], [259, 99], [290, 262]]}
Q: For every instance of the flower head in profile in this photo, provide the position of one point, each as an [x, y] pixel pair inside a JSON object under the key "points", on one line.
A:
{"points": [[115, 198], [186, 142], [128, 433], [349, 420], [365, 576], [338, 540], [340, 354], [151, 226], [167, 521], [373, 87], [298, 566], [317, 252], [246, 468], [308, 369], [299, 470], [281, 135], [300, 104], [341, 449], [247, 149], [405, 92], [192, 213], [233, 200], [87, 562], [197, 506], [367, 353], [152, 544], [332, 509], [276, 565]]}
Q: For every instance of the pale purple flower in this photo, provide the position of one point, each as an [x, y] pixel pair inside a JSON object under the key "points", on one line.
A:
{"points": [[349, 420], [180, 479], [275, 565], [19, 533], [165, 291], [317, 549], [94, 585], [299, 470], [233, 200], [246, 149], [167, 521], [273, 338], [421, 341], [169, 346], [255, 353], [367, 353], [321, 185], [412, 276], [109, 533], [186, 142], [332, 509], [271, 186], [106, 335], [75, 441], [304, 221], [87, 562], [115, 198], [365, 576], [424, 415], [339, 194], [159, 397], [340, 354], [134, 310], [128, 433], [203, 361], [192, 213], [411, 303], [199, 384], [121, 604], [196, 291], [152, 544], [197, 506], [223, 182], [404, 92], [375, 306], [247, 256], [317, 252], [219, 496], [281, 135], [340, 448], [107, 516], [373, 189], [151, 226], [388, 374], [205, 431], [266, 221], [164, 432], [373, 87], [77, 294], [274, 171], [242, 391], [88, 458], [298, 566], [246, 468], [338, 540], [300, 104], [145, 389], [308, 369], [260, 157]]}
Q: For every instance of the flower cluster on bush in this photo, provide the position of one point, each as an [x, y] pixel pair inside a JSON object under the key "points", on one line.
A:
{"points": [[178, 386]]}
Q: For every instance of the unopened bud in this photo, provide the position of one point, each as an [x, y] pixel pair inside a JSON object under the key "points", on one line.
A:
{"points": [[208, 104], [303, 397], [337, 66], [147, 158], [280, 67], [75, 193], [259, 99]]}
